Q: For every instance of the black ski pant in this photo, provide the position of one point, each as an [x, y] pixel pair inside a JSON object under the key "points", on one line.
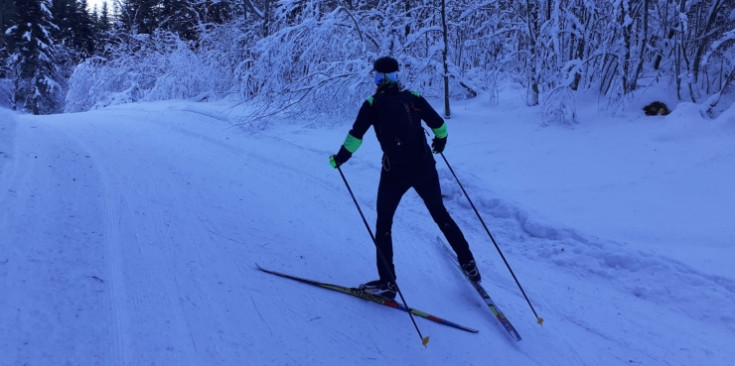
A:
{"points": [[393, 185]]}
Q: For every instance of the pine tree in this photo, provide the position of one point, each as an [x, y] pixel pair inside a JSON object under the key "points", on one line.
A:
{"points": [[33, 58], [8, 17], [140, 16], [213, 11], [84, 41], [104, 22], [179, 17], [102, 27]]}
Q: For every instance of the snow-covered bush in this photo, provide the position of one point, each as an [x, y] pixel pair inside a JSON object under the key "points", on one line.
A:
{"points": [[330, 71], [146, 68], [559, 107], [318, 58], [6, 92]]}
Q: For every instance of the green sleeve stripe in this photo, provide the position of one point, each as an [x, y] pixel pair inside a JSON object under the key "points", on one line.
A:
{"points": [[370, 100], [441, 131], [415, 93], [352, 143]]}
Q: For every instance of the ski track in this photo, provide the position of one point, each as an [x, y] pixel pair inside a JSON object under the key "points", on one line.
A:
{"points": [[49, 212], [156, 260]]}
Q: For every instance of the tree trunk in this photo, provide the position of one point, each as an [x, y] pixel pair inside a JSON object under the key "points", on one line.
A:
{"points": [[532, 18], [445, 53], [683, 58], [704, 34], [266, 18], [644, 42], [627, 30]]}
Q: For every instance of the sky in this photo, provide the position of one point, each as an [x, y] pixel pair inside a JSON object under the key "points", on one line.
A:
{"points": [[92, 3], [130, 235]]}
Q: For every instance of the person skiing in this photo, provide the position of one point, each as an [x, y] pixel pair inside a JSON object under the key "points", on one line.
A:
{"points": [[407, 162]]}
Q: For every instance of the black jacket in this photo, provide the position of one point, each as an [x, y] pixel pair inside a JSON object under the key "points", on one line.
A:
{"points": [[396, 116]]}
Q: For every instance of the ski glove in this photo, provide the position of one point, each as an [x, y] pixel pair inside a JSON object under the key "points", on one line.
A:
{"points": [[438, 144], [342, 156]]}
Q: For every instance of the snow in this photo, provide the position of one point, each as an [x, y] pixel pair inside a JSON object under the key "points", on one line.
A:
{"points": [[129, 236]]}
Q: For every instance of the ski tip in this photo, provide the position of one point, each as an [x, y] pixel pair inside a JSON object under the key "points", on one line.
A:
{"points": [[425, 341], [540, 321]]}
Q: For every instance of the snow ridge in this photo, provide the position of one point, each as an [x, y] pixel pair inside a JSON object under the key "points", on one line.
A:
{"points": [[638, 272]]}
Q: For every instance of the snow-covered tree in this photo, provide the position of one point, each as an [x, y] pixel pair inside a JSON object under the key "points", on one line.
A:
{"points": [[32, 59], [297, 55], [104, 20], [8, 18], [180, 17], [140, 16]]}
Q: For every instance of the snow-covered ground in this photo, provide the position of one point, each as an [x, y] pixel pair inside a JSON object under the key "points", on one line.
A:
{"points": [[129, 236]]}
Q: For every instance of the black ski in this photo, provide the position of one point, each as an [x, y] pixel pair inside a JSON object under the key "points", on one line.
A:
{"points": [[483, 294], [370, 297]]}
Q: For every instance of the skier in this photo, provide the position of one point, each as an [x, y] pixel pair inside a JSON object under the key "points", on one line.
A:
{"points": [[396, 115]]}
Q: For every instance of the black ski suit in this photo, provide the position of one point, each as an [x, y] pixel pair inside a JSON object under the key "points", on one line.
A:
{"points": [[408, 162]]}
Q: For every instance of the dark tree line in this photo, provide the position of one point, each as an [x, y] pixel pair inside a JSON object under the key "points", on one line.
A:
{"points": [[41, 41]]}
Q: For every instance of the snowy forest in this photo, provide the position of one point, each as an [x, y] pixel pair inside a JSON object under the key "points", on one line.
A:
{"points": [[295, 56]]}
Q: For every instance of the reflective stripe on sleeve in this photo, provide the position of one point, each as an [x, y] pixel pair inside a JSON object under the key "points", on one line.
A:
{"points": [[352, 143], [441, 131]]}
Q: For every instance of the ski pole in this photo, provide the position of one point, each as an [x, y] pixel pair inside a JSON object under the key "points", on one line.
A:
{"points": [[424, 340], [539, 319]]}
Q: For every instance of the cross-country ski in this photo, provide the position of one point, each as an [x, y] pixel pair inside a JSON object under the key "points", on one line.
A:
{"points": [[369, 297], [483, 294]]}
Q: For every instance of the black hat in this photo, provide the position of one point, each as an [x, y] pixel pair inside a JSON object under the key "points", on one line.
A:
{"points": [[385, 65]]}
